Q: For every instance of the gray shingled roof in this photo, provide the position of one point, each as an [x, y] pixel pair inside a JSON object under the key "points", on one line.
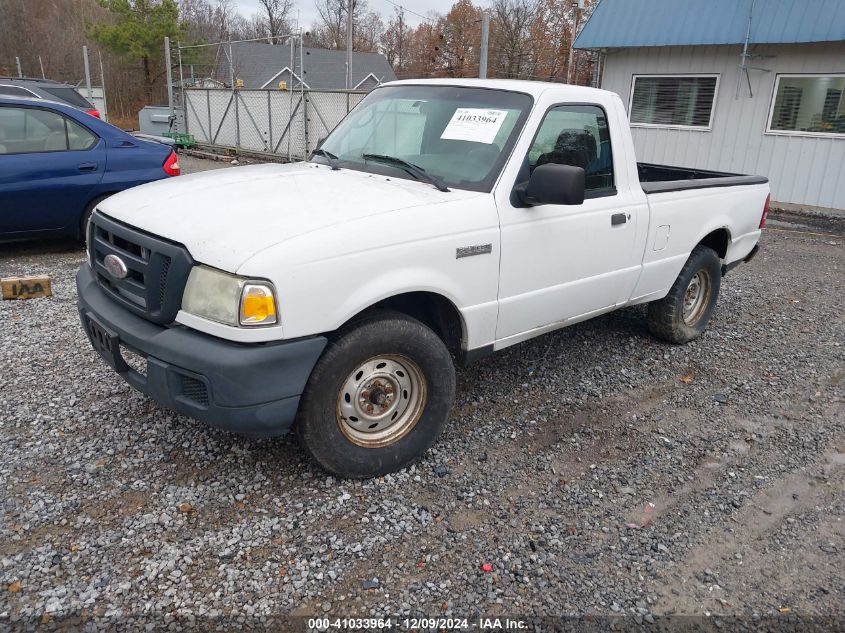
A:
{"points": [[257, 63]]}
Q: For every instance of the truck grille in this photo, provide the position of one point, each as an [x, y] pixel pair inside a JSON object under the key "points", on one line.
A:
{"points": [[156, 269]]}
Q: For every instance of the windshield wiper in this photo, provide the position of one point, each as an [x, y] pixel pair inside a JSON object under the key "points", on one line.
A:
{"points": [[415, 170], [328, 156]]}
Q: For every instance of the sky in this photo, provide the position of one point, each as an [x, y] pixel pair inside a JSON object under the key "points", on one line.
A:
{"points": [[308, 13]]}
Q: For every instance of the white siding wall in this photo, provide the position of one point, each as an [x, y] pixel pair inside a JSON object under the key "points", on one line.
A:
{"points": [[802, 170]]}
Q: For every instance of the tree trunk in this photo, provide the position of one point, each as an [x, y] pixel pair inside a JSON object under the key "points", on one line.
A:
{"points": [[148, 82]]}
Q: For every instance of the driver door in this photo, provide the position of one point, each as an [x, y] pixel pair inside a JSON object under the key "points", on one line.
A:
{"points": [[560, 263]]}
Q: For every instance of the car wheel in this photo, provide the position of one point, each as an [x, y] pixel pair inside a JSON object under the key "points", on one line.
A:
{"points": [[86, 215], [683, 314], [377, 398]]}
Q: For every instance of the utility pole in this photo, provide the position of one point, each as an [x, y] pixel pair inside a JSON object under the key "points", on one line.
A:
{"points": [[485, 36], [18, 62], [302, 98], [87, 73], [234, 94], [183, 104], [578, 5], [401, 42], [105, 112], [350, 9], [169, 74]]}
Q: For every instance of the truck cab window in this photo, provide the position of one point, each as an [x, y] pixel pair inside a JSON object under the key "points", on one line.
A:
{"points": [[576, 135]]}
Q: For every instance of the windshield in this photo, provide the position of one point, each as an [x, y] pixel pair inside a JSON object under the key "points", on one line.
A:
{"points": [[460, 135]]}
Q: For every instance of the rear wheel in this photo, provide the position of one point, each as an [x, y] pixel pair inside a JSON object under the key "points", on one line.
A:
{"points": [[682, 315], [377, 398], [86, 215]]}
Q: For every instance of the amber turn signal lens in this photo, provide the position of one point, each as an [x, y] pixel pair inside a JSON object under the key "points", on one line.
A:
{"points": [[258, 305]]}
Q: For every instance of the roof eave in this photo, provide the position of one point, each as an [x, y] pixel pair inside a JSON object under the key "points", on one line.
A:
{"points": [[605, 46]]}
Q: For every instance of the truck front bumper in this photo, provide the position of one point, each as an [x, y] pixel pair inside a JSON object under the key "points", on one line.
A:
{"points": [[251, 389]]}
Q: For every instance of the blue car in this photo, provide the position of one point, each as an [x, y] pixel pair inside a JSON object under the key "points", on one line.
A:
{"points": [[57, 163]]}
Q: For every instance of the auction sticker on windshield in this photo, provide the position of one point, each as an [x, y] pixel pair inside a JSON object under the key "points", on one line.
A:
{"points": [[474, 124]]}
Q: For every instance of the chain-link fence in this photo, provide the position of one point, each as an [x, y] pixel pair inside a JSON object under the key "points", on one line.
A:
{"points": [[287, 123]]}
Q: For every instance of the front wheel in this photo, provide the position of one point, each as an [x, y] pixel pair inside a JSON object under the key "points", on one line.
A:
{"points": [[683, 314], [377, 398]]}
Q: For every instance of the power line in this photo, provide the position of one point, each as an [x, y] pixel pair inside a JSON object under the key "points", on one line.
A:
{"points": [[419, 15]]}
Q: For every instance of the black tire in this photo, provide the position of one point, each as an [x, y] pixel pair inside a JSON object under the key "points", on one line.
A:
{"points": [[324, 430], [666, 316], [86, 215]]}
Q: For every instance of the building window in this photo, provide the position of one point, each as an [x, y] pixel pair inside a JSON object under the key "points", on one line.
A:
{"points": [[808, 105], [684, 101]]}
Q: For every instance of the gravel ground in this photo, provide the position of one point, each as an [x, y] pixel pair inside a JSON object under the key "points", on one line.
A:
{"points": [[596, 470], [192, 164]]}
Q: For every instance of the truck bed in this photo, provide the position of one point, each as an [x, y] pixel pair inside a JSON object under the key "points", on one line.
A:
{"points": [[664, 178]]}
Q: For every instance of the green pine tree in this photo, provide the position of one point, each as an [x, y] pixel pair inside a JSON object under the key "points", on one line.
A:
{"points": [[138, 33]]}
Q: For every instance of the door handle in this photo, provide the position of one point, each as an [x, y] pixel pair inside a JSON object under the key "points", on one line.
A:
{"points": [[87, 167], [618, 218]]}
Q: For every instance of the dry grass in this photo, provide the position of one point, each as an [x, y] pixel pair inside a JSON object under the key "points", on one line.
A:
{"points": [[124, 122]]}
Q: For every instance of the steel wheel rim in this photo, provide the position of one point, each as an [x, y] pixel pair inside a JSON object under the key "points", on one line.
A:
{"points": [[696, 297], [381, 400]]}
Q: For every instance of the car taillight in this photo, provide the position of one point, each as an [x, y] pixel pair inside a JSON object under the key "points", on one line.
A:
{"points": [[171, 165], [93, 112], [765, 212]]}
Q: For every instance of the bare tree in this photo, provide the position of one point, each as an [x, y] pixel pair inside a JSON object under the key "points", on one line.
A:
{"points": [[511, 41], [276, 16], [330, 29], [552, 28], [201, 20], [224, 16], [395, 40], [368, 32]]}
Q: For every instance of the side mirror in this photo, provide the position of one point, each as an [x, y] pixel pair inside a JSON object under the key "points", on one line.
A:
{"points": [[553, 184]]}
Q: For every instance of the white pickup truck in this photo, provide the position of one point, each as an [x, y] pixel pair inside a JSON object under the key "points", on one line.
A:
{"points": [[442, 220]]}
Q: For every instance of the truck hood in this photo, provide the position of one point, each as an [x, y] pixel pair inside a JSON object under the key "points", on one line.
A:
{"points": [[224, 217]]}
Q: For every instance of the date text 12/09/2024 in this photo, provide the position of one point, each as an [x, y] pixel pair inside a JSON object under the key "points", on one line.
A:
{"points": [[321, 625]]}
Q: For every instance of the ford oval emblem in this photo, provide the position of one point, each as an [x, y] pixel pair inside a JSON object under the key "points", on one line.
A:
{"points": [[115, 266]]}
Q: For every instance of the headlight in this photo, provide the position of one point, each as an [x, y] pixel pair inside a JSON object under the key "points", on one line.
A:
{"points": [[218, 296]]}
